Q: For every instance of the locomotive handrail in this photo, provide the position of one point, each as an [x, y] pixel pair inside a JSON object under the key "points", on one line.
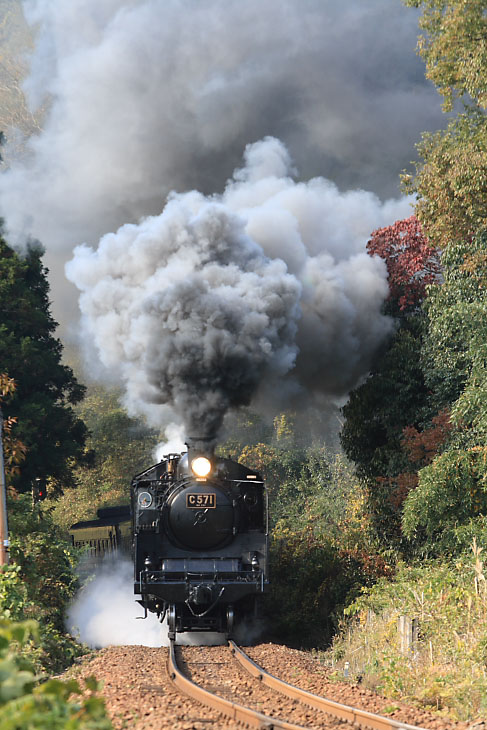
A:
{"points": [[225, 576], [343, 712], [238, 713], [246, 481]]}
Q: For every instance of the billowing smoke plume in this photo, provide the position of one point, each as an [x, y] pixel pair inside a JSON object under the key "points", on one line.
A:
{"points": [[263, 292], [144, 96]]}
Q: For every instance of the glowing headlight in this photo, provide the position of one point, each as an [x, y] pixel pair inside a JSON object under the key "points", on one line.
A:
{"points": [[201, 466]]}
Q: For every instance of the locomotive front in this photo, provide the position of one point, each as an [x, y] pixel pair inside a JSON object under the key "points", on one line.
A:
{"points": [[201, 541]]}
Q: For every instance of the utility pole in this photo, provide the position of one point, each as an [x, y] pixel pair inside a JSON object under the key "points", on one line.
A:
{"points": [[4, 544]]}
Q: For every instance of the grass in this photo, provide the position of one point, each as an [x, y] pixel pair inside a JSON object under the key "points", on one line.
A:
{"points": [[445, 669]]}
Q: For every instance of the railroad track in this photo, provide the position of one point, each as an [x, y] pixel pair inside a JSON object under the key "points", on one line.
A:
{"points": [[326, 713]]}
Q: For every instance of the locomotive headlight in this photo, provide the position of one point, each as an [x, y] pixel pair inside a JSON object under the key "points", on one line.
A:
{"points": [[201, 466]]}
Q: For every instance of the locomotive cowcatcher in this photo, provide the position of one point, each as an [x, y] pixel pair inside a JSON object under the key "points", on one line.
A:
{"points": [[200, 529]]}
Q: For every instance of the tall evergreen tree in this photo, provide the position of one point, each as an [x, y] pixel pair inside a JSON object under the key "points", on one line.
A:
{"points": [[46, 389]]}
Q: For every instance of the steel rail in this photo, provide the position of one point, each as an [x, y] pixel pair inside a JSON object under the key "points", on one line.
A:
{"points": [[238, 713], [343, 712]]}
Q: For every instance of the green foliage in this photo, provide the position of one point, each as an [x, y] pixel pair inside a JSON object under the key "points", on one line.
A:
{"points": [[457, 323], [119, 447], [308, 581], [453, 488], [313, 577], [39, 582], [393, 397], [321, 547], [280, 467], [317, 496], [451, 179], [308, 486], [454, 47], [53, 705], [46, 389], [445, 668]]}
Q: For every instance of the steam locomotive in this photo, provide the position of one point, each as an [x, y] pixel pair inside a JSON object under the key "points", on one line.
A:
{"points": [[199, 527], [200, 530]]}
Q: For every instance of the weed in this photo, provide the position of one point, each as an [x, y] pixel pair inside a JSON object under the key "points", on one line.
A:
{"points": [[444, 668]]}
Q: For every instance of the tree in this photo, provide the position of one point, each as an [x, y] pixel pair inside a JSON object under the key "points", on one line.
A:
{"points": [[451, 180], [421, 448], [13, 449], [453, 488], [46, 389], [395, 395], [454, 348], [118, 447], [454, 47], [412, 264]]}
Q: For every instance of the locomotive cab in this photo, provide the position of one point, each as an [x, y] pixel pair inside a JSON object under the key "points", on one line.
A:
{"points": [[201, 541]]}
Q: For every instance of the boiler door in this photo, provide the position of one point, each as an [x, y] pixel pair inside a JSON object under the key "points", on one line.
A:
{"points": [[200, 516]]}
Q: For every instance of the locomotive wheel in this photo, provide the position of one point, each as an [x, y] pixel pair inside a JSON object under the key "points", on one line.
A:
{"points": [[171, 622], [230, 620]]}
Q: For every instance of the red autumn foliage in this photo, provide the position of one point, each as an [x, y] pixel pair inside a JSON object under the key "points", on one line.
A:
{"points": [[411, 262], [373, 565], [14, 449], [421, 448], [400, 487]]}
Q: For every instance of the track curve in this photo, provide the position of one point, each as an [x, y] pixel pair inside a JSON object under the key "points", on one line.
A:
{"points": [[333, 712], [236, 712], [342, 712]]}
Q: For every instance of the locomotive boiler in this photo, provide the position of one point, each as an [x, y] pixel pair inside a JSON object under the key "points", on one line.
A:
{"points": [[200, 529]]}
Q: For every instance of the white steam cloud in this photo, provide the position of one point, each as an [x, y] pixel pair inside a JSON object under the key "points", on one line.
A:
{"points": [[174, 442], [264, 291], [104, 613]]}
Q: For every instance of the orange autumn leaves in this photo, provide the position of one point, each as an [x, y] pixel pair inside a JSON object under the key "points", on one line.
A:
{"points": [[14, 450]]}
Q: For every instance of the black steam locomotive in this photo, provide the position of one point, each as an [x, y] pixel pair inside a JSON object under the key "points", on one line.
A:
{"points": [[199, 538], [200, 541]]}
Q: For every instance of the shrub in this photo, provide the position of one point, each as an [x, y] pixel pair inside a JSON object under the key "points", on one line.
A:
{"points": [[445, 668], [53, 705], [39, 583], [312, 579]]}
